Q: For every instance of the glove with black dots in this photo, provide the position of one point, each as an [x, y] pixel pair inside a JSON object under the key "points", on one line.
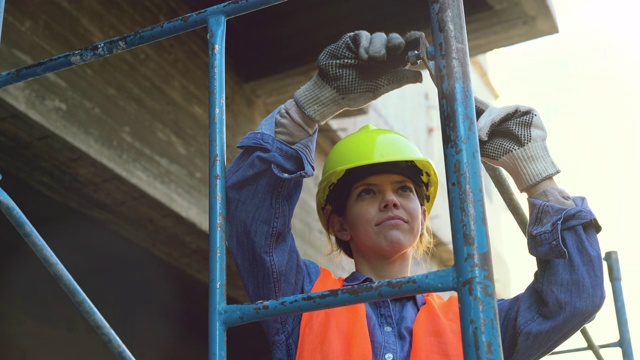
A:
{"points": [[356, 70], [514, 138]]}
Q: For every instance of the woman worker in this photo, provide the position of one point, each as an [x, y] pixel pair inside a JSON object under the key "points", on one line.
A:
{"points": [[374, 200]]}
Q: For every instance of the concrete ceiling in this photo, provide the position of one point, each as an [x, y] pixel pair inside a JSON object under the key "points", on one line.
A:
{"points": [[103, 137], [292, 34]]}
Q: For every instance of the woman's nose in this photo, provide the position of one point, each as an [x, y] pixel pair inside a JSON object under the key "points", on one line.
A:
{"points": [[390, 201]]}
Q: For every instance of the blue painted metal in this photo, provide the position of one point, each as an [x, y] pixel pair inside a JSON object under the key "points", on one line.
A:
{"points": [[624, 343], [1, 16], [216, 31], [591, 345], [503, 187], [615, 277], [215, 19], [55, 267], [131, 41], [440, 280], [508, 196], [478, 309], [471, 276]]}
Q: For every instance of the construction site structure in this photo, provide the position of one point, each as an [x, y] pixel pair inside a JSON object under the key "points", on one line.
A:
{"points": [[471, 276]]}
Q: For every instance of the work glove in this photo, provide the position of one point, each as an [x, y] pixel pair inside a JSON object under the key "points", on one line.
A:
{"points": [[514, 138], [356, 70]]}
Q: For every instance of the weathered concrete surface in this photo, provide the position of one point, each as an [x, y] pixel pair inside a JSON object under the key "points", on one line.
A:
{"points": [[156, 309], [124, 139]]}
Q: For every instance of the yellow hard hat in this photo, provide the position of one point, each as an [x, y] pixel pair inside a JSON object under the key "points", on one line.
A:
{"points": [[374, 151]]}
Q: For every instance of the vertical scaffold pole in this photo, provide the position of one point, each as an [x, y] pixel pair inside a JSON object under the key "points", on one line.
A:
{"points": [[62, 276], [1, 16], [615, 277], [216, 27], [475, 285]]}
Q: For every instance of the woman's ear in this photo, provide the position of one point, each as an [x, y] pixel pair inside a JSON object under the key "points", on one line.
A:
{"points": [[339, 227], [424, 219]]}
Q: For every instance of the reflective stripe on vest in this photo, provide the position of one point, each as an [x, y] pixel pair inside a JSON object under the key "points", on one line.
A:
{"points": [[342, 333]]}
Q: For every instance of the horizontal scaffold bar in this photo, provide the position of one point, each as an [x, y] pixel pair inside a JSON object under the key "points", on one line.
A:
{"points": [[435, 281], [131, 41]]}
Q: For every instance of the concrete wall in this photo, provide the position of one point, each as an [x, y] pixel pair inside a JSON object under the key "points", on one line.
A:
{"points": [[157, 310], [123, 139], [114, 160]]}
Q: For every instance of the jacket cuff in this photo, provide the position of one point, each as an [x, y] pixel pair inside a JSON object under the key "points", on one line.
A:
{"points": [[548, 222]]}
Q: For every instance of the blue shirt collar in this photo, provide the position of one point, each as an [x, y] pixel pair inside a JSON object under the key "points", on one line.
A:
{"points": [[356, 278]]}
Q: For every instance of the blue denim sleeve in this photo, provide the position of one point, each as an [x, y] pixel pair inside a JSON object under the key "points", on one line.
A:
{"points": [[264, 183], [568, 287]]}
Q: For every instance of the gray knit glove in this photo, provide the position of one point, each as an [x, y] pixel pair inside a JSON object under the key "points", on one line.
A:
{"points": [[356, 70], [514, 138]]}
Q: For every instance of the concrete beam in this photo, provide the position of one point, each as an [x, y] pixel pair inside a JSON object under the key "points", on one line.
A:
{"points": [[124, 139]]}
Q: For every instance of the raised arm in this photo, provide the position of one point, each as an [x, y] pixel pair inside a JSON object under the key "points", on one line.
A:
{"points": [[265, 180], [568, 287]]}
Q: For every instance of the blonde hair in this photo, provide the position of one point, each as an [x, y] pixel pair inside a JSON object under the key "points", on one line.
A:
{"points": [[336, 202]]}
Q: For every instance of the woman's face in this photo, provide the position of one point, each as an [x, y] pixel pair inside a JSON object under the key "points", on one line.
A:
{"points": [[383, 217]]}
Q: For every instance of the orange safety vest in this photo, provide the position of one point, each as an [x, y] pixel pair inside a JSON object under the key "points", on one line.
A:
{"points": [[341, 333]]}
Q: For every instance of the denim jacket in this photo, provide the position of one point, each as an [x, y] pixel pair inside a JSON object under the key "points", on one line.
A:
{"points": [[263, 186]]}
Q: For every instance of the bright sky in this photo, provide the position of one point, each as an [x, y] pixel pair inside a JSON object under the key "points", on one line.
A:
{"points": [[584, 81]]}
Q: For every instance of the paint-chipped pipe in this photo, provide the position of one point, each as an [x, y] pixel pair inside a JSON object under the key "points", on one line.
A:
{"points": [[132, 40], [62, 276]]}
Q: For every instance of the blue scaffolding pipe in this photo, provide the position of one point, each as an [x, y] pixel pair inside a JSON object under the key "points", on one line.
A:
{"points": [[1, 16], [615, 277], [508, 196], [55, 267], [624, 343], [504, 189], [482, 333], [591, 345], [132, 40], [474, 280], [435, 281], [476, 291], [471, 276], [216, 30]]}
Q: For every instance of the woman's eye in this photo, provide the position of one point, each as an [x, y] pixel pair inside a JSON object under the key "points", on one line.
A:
{"points": [[366, 192], [406, 188]]}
